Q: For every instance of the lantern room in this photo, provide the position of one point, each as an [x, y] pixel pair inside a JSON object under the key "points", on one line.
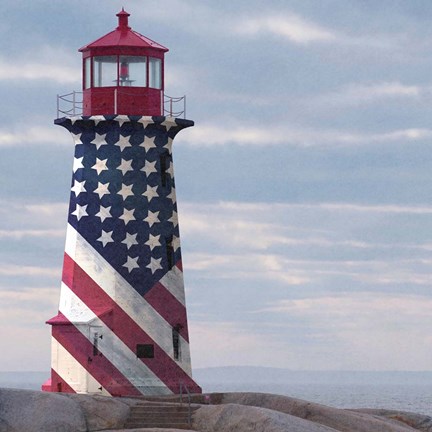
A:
{"points": [[123, 73]]}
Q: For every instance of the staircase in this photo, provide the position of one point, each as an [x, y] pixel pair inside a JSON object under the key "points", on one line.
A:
{"points": [[160, 415]]}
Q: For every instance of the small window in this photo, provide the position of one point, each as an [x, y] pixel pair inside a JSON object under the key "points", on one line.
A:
{"points": [[155, 73], [145, 350], [105, 71], [164, 163], [87, 73], [169, 253], [176, 341]]}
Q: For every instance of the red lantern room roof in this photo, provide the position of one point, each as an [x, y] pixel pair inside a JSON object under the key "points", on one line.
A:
{"points": [[123, 36]]}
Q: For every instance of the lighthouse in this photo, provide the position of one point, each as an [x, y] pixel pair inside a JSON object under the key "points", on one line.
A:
{"points": [[121, 328]]}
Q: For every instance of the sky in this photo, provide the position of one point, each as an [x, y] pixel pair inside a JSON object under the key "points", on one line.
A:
{"points": [[304, 188]]}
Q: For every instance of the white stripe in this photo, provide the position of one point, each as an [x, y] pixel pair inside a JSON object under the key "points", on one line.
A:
{"points": [[125, 296], [71, 371], [173, 282], [115, 350]]}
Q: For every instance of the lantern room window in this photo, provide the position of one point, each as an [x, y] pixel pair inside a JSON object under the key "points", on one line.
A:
{"points": [[155, 73], [133, 71], [105, 71], [87, 73]]}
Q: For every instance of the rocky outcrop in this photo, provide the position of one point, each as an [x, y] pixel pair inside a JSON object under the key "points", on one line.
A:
{"points": [[238, 418], [337, 419], [32, 411]]}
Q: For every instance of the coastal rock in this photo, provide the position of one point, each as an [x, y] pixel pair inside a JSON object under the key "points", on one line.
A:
{"points": [[102, 412], [338, 419], [238, 418], [32, 411], [417, 421]]}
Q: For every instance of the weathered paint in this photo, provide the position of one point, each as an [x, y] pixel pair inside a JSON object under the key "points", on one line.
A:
{"points": [[122, 282]]}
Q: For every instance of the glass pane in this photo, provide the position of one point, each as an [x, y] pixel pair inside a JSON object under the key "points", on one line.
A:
{"points": [[155, 73], [132, 71], [105, 71], [87, 73]]}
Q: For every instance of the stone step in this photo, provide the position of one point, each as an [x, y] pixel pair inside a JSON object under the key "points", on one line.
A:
{"points": [[159, 415]]}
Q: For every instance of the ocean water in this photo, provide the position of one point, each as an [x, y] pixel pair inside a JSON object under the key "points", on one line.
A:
{"points": [[404, 391]]}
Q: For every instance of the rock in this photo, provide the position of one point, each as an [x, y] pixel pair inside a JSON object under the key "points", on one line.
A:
{"points": [[102, 412], [32, 411], [417, 421], [338, 419], [238, 418]]}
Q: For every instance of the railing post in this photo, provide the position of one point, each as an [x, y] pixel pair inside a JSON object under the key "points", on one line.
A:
{"points": [[184, 106], [58, 106], [73, 103]]}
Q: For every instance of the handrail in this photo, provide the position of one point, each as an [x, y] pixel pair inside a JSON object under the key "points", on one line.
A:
{"points": [[71, 104], [182, 385]]}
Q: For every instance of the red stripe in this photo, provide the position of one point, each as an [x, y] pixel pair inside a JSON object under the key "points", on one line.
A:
{"points": [[168, 307], [58, 384], [179, 265], [98, 366], [125, 328]]}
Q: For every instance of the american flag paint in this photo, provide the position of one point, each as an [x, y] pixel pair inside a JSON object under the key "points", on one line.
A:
{"points": [[122, 327]]}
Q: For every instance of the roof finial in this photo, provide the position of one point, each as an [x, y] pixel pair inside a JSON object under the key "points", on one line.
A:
{"points": [[123, 20]]}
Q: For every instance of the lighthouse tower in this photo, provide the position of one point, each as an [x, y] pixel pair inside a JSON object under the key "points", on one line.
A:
{"points": [[122, 327]]}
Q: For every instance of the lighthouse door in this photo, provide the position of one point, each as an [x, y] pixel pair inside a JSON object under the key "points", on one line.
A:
{"points": [[96, 338]]}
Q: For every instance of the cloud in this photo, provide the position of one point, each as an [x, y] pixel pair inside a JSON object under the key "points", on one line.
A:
{"points": [[289, 26], [15, 135], [51, 64], [208, 134], [22, 270], [21, 234], [359, 94]]}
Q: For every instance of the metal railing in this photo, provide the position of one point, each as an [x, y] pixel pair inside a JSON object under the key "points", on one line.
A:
{"points": [[170, 103], [71, 104], [185, 387]]}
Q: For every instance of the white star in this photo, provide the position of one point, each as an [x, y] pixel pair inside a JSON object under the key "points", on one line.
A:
{"points": [[78, 163], [122, 119], [172, 195], [153, 241], [145, 120], [149, 167], [170, 170], [151, 193], [125, 166], [99, 140], [105, 238], [104, 212], [148, 143], [131, 263], [80, 211], [74, 119], [130, 240], [168, 145], [100, 165], [126, 191], [76, 138], [155, 264], [123, 142], [175, 243], [169, 123], [97, 119], [78, 187], [127, 216], [152, 218], [173, 219], [102, 189]]}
